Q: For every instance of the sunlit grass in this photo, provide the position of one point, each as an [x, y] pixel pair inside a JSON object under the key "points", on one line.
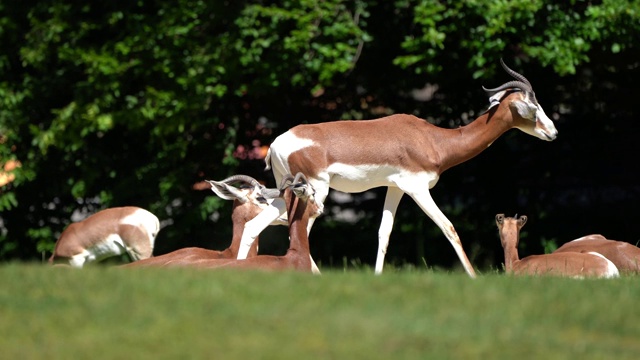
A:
{"points": [[105, 312]]}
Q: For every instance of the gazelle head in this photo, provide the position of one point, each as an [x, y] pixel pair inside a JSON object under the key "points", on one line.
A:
{"points": [[527, 113], [253, 197], [250, 196], [302, 188], [509, 228]]}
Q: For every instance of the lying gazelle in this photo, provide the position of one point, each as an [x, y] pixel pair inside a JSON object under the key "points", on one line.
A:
{"points": [[107, 233], [402, 152], [625, 256], [249, 199], [569, 264], [299, 197]]}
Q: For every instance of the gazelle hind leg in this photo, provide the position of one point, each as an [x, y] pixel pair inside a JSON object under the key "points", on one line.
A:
{"points": [[426, 203], [391, 201]]}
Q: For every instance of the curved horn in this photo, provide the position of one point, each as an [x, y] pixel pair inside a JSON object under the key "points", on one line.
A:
{"points": [[271, 193], [286, 181], [519, 77], [300, 178], [510, 84], [242, 178], [301, 186], [521, 83]]}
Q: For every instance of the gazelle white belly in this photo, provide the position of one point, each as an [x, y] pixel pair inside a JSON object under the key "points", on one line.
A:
{"points": [[358, 178]]}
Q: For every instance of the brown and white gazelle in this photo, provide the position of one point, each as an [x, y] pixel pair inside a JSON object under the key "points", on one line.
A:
{"points": [[110, 232], [568, 264], [402, 152], [299, 197], [625, 256], [249, 199]]}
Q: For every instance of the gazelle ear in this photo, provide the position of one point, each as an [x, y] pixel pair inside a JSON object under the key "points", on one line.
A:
{"points": [[228, 192], [494, 100], [522, 220]]}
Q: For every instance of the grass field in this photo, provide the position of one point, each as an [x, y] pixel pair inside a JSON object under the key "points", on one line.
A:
{"points": [[104, 312]]}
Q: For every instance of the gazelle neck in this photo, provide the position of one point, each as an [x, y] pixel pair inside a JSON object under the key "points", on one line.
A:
{"points": [[239, 218], [510, 246], [298, 221], [461, 144]]}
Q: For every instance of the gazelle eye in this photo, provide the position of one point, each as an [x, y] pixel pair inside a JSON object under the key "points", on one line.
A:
{"points": [[261, 199]]}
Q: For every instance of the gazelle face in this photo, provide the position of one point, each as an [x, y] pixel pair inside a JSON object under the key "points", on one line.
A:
{"points": [[509, 228], [536, 122], [307, 192]]}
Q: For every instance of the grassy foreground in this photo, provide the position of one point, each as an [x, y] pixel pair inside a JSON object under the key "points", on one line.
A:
{"points": [[109, 313]]}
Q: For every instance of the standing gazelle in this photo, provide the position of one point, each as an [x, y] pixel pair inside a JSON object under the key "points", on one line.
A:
{"points": [[569, 264], [402, 152], [107, 233]]}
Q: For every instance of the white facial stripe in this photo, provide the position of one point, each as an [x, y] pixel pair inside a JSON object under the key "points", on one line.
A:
{"points": [[548, 127]]}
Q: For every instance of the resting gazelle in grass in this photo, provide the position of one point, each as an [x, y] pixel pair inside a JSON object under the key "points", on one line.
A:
{"points": [[249, 199], [625, 256], [107, 233], [299, 199], [567, 264]]}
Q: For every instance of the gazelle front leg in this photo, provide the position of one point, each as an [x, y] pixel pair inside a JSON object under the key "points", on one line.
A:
{"points": [[426, 203], [391, 201]]}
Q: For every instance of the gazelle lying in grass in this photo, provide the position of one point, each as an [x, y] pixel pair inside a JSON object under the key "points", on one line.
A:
{"points": [[299, 197], [569, 264], [401, 152], [249, 199], [625, 256], [107, 233]]}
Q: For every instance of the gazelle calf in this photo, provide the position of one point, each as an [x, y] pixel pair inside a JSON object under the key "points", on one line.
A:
{"points": [[299, 197], [625, 256], [569, 264], [402, 152], [107, 233], [249, 199]]}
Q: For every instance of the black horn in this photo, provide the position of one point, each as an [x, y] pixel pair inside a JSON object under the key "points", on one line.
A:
{"points": [[521, 83], [509, 85], [516, 75]]}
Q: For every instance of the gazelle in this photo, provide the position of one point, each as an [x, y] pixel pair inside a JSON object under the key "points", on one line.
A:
{"points": [[402, 152], [107, 233], [299, 197], [569, 264], [625, 256], [249, 199]]}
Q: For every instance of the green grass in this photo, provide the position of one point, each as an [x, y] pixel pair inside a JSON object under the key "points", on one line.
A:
{"points": [[103, 312]]}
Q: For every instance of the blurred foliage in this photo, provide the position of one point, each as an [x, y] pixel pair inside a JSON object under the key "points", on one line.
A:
{"points": [[111, 104]]}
